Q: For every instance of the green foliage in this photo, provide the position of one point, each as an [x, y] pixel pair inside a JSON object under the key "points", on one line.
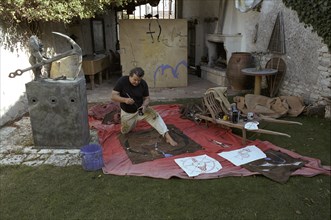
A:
{"points": [[314, 13], [16, 11], [21, 18]]}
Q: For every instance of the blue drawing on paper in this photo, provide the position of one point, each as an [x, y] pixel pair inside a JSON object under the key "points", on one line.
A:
{"points": [[164, 67]]}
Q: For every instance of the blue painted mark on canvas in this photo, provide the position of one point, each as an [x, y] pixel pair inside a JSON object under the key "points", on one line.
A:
{"points": [[174, 72]]}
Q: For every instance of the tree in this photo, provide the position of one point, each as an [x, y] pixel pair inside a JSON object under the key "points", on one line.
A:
{"points": [[17, 11], [20, 18]]}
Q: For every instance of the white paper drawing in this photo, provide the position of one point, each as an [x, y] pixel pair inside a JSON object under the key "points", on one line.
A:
{"points": [[243, 155], [193, 166]]}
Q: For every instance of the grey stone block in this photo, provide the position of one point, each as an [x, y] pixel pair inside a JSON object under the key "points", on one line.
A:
{"points": [[58, 113]]}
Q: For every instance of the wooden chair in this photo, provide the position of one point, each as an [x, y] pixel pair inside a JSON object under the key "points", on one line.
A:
{"points": [[274, 81]]}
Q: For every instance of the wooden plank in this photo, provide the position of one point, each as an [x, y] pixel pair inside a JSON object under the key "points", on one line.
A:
{"points": [[268, 119], [240, 125]]}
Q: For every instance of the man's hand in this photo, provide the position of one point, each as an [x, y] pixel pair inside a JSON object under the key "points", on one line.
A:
{"points": [[115, 96], [129, 101], [142, 109]]}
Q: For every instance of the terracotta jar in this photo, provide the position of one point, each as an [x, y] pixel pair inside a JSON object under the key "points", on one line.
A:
{"points": [[237, 80]]}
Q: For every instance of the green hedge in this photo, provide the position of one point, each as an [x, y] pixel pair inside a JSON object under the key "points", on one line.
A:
{"points": [[314, 13]]}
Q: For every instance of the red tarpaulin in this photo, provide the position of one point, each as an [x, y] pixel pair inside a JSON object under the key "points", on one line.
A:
{"points": [[117, 162]]}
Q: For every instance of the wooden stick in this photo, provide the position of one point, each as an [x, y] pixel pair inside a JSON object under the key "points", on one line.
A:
{"points": [[240, 126], [275, 79], [268, 119]]}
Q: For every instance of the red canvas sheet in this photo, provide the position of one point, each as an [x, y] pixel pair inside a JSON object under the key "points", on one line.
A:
{"points": [[117, 162]]}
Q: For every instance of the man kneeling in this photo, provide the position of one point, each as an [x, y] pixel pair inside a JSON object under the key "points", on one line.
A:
{"points": [[133, 95]]}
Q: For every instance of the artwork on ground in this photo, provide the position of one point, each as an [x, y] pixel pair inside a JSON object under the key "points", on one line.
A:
{"points": [[243, 155], [194, 166]]}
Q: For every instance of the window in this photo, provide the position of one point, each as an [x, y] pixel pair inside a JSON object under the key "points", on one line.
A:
{"points": [[164, 10]]}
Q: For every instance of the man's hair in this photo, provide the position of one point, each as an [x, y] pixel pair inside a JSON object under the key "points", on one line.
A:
{"points": [[138, 71]]}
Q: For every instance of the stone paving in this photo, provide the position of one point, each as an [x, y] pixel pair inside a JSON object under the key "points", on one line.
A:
{"points": [[16, 148], [16, 140]]}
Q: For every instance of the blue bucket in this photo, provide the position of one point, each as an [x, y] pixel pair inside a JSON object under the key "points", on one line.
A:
{"points": [[91, 157]]}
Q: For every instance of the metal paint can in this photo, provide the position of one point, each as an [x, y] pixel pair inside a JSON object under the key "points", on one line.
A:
{"points": [[250, 115]]}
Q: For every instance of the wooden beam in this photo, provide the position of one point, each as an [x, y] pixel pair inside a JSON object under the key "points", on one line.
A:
{"points": [[241, 126]]}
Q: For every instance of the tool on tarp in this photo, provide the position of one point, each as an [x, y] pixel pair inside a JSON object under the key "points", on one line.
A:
{"points": [[160, 151], [127, 146], [219, 143]]}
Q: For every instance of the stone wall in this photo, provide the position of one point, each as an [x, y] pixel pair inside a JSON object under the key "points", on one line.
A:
{"points": [[13, 102], [313, 89], [307, 58]]}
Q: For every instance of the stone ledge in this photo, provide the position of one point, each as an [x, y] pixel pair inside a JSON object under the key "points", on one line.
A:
{"points": [[215, 75]]}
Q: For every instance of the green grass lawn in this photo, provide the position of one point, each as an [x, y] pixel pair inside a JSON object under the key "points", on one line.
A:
{"points": [[47, 192]]}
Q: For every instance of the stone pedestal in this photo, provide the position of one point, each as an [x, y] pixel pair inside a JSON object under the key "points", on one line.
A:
{"points": [[58, 113], [215, 75]]}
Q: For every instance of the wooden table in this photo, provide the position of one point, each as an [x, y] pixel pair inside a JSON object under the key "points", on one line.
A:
{"points": [[258, 76], [95, 64]]}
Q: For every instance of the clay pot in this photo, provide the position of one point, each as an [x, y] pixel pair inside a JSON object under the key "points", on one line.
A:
{"points": [[237, 80]]}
